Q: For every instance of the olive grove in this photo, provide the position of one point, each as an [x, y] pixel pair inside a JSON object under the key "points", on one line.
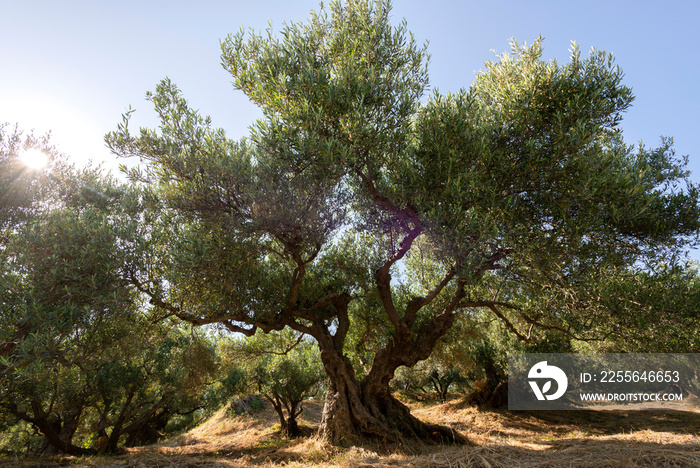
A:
{"points": [[363, 209]]}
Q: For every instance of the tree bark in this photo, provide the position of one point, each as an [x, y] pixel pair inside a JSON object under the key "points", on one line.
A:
{"points": [[50, 430], [288, 423], [345, 418], [357, 410]]}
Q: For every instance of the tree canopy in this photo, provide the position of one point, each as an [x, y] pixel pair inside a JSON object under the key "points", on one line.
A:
{"points": [[78, 353], [516, 195]]}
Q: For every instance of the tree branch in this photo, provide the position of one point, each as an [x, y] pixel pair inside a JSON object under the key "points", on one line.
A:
{"points": [[567, 332], [418, 303], [382, 279], [509, 325], [405, 214]]}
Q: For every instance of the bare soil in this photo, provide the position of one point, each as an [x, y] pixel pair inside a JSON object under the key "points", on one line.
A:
{"points": [[499, 438]]}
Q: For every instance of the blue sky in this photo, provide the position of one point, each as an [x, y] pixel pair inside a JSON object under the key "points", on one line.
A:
{"points": [[74, 66]]}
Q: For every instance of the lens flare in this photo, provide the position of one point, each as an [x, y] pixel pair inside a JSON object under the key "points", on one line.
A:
{"points": [[34, 158]]}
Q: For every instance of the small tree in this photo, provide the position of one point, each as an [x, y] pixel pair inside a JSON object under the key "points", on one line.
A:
{"points": [[442, 379], [286, 381], [285, 368]]}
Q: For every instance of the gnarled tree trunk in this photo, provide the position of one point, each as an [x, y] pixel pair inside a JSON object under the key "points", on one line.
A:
{"points": [[356, 410]]}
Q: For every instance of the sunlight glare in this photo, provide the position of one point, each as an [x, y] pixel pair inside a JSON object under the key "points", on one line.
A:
{"points": [[74, 133], [34, 158]]}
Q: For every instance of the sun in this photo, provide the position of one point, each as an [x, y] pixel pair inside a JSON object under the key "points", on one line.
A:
{"points": [[34, 158]]}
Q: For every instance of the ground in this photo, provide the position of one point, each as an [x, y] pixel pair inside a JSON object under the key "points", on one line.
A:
{"points": [[499, 439]]}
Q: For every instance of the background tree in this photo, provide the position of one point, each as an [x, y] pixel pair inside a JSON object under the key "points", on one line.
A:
{"points": [[137, 393], [286, 381], [284, 367], [34, 317], [648, 310], [50, 306], [520, 190], [20, 185], [76, 347]]}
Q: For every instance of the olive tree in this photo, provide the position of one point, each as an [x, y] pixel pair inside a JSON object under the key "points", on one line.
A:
{"points": [[519, 189], [287, 380], [283, 367], [76, 347]]}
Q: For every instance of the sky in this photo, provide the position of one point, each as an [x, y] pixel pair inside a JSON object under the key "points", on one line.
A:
{"points": [[73, 67]]}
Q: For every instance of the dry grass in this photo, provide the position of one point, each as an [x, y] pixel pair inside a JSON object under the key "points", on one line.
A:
{"points": [[566, 438], [500, 438]]}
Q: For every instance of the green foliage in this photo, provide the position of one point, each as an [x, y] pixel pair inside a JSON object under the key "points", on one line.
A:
{"points": [[285, 368], [78, 355], [337, 92], [655, 310], [530, 155], [374, 220], [292, 378], [19, 438], [20, 186]]}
